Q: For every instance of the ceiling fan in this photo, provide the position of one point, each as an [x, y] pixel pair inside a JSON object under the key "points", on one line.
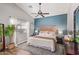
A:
{"points": [[40, 12]]}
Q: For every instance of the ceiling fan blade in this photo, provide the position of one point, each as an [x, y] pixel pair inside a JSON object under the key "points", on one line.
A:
{"points": [[42, 15]]}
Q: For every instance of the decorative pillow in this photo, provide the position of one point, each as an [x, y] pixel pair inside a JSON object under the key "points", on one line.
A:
{"points": [[50, 34], [47, 34]]}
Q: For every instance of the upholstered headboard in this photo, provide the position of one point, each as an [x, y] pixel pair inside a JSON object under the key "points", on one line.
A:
{"points": [[49, 28], [48, 31]]}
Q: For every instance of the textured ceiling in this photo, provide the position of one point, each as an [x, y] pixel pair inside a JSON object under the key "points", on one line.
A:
{"points": [[52, 8]]}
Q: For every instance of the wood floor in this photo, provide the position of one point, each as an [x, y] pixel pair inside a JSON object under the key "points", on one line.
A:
{"points": [[24, 49], [15, 51], [41, 51]]}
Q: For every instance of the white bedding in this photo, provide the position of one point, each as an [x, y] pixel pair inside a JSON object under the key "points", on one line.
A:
{"points": [[45, 39], [47, 43]]}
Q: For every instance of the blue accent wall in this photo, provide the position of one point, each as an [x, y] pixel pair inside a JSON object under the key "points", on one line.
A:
{"points": [[59, 20]]}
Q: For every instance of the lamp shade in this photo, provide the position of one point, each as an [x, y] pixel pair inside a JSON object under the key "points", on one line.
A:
{"points": [[36, 31], [60, 32]]}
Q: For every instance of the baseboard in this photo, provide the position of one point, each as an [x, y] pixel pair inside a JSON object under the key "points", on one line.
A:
{"points": [[22, 42]]}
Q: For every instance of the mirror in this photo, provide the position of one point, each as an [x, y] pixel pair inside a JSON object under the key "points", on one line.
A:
{"points": [[76, 30]]}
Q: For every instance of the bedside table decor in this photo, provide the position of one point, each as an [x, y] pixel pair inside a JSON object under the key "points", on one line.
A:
{"points": [[69, 45], [60, 37]]}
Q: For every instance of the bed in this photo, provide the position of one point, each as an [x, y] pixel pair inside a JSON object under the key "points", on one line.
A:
{"points": [[46, 38]]}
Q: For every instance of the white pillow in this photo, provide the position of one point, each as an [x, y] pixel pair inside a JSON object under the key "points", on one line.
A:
{"points": [[50, 34], [42, 33], [47, 34]]}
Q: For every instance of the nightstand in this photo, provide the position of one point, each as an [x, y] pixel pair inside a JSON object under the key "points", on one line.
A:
{"points": [[69, 45], [60, 44], [59, 40]]}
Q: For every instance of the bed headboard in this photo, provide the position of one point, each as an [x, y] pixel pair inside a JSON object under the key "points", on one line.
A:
{"points": [[49, 28]]}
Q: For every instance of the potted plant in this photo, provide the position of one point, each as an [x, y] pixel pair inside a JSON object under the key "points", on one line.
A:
{"points": [[9, 31]]}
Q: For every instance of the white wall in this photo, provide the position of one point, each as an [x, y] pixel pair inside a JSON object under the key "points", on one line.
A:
{"points": [[71, 16], [11, 9]]}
